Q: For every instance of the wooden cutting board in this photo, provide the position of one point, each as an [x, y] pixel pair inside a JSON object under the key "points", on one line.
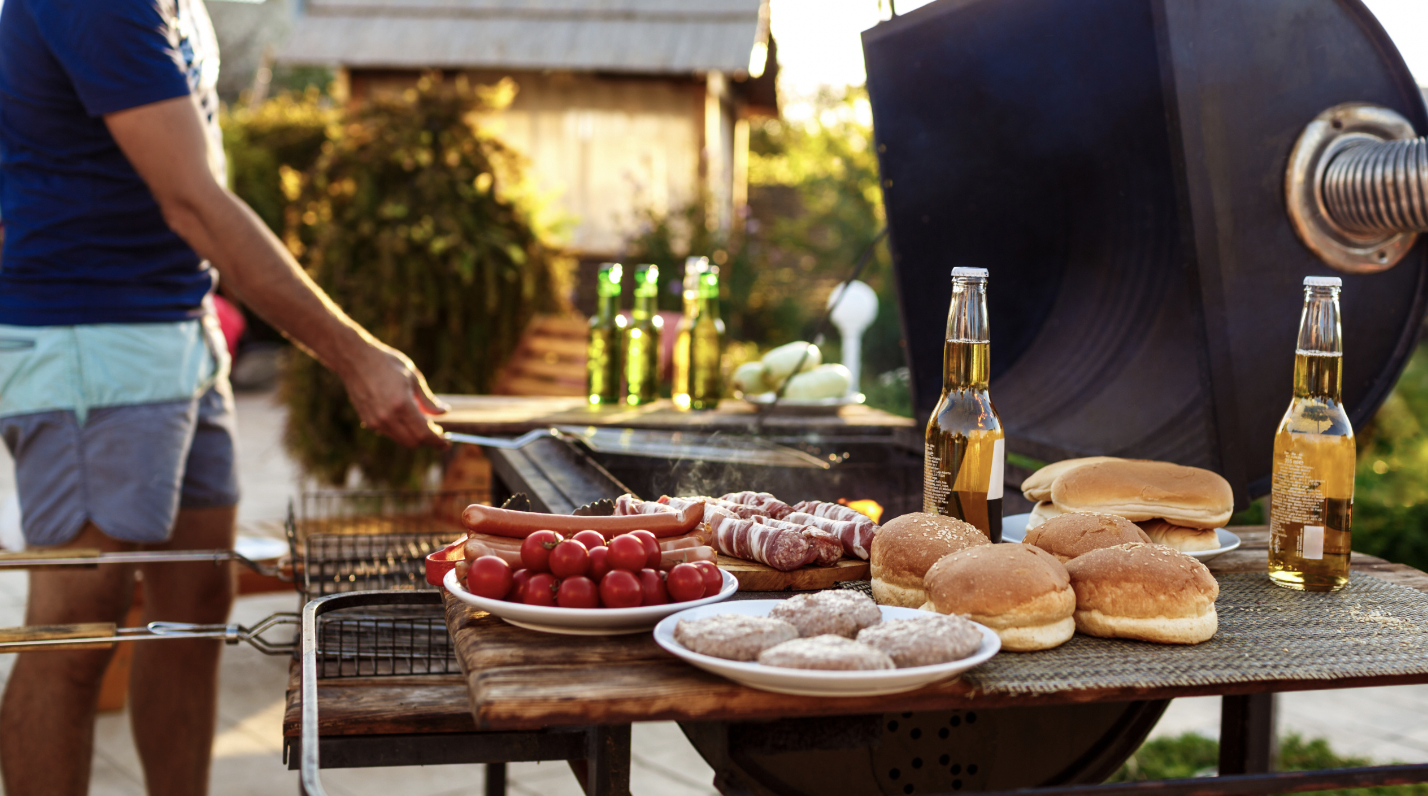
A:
{"points": [[753, 576]]}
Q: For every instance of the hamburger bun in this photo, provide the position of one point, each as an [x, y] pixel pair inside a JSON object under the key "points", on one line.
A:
{"points": [[1143, 490], [1020, 591], [1146, 592], [1178, 537], [907, 546], [1042, 512], [1037, 486], [1071, 535]]}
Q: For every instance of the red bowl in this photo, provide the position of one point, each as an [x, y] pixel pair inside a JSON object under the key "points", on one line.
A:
{"points": [[443, 561]]}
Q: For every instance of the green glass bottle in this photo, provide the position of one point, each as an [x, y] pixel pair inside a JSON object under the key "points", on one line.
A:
{"points": [[603, 367], [693, 267], [706, 345], [642, 340]]}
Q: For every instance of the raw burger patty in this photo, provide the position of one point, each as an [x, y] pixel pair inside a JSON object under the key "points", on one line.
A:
{"points": [[737, 637], [841, 613], [924, 641], [825, 652]]}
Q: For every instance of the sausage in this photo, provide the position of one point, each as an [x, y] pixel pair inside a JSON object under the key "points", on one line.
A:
{"points": [[686, 555], [781, 548], [520, 524], [491, 543], [474, 549], [828, 546]]}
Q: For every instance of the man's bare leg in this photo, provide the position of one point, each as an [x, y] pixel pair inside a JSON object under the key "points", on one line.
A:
{"points": [[173, 686], [47, 718]]}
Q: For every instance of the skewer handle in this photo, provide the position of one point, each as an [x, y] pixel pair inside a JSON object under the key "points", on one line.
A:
{"points": [[35, 638]]}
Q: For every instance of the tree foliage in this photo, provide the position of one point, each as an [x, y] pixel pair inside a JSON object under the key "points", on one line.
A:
{"points": [[406, 219], [1391, 482]]}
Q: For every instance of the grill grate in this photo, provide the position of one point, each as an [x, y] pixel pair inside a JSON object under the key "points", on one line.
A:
{"points": [[384, 642]]}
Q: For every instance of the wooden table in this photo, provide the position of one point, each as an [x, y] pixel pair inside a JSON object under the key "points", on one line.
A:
{"points": [[502, 415]]}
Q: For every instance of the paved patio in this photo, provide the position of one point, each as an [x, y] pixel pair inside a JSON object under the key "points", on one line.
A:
{"points": [[1384, 723]]}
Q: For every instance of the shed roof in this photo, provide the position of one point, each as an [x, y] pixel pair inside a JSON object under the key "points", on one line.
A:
{"points": [[648, 36]]}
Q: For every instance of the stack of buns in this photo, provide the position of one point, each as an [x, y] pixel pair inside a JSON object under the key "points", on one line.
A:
{"points": [[908, 546], [1177, 506]]}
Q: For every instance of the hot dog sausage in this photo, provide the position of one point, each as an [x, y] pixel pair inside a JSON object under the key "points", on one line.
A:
{"points": [[520, 524]]}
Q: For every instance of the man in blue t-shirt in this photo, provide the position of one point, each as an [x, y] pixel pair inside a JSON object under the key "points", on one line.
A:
{"points": [[114, 397]]}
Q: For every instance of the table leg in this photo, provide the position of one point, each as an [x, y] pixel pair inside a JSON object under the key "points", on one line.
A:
{"points": [[607, 761], [495, 779], [1249, 743]]}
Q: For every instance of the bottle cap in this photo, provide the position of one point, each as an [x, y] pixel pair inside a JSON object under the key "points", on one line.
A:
{"points": [[1323, 281], [969, 273]]}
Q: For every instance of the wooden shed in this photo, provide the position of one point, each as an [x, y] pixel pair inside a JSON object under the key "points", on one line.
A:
{"points": [[621, 105]]}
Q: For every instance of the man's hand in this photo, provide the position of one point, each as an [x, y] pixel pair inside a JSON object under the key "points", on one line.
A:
{"points": [[392, 398], [166, 144]]}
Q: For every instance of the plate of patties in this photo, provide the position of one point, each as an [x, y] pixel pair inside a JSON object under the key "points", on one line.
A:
{"points": [[1183, 508], [836, 643]]}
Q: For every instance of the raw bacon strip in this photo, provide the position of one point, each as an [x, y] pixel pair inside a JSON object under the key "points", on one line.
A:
{"points": [[628, 505], [763, 501], [856, 539], [829, 547], [832, 511], [739, 510], [780, 548]]}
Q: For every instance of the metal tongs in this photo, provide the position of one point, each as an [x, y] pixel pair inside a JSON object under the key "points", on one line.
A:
{"points": [[503, 443], [89, 557], [37, 638]]}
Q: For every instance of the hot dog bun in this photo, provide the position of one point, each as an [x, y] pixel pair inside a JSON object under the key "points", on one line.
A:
{"points": [[1037, 486], [1144, 490]]}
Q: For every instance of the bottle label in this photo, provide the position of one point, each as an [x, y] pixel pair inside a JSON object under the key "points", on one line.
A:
{"points": [[1300, 513], [935, 488], [999, 455]]}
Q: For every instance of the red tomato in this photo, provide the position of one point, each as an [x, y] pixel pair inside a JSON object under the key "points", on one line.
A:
{"points": [[620, 589], [518, 582], [591, 539], [577, 592], [652, 552], [685, 582], [599, 562], [535, 550], [713, 580], [569, 559], [627, 552], [490, 577], [652, 590], [539, 590]]}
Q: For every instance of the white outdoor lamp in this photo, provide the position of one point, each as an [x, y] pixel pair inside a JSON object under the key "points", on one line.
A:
{"points": [[853, 315]]}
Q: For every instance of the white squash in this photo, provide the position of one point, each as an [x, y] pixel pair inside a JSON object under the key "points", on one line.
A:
{"points": [[779, 363], [825, 381]]}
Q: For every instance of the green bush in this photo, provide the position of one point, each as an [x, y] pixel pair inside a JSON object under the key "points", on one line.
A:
{"points": [[1391, 482], [406, 220], [1193, 755], [284, 133]]}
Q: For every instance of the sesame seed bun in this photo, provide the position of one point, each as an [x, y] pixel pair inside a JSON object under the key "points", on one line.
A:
{"points": [[1144, 490], [907, 546], [1020, 591], [1144, 591], [1071, 535], [1037, 486]]}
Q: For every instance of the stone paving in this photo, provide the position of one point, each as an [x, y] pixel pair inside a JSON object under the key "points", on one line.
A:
{"points": [[1383, 723]]}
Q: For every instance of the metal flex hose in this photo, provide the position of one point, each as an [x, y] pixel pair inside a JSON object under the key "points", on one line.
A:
{"points": [[1379, 188]]}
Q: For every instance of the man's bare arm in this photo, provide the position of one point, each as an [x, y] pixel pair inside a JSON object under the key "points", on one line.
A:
{"points": [[166, 144]]}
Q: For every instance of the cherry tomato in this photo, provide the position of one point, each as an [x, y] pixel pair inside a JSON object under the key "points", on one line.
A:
{"points": [[713, 580], [489, 577], [540, 589], [535, 550], [599, 562], [652, 590], [684, 582], [577, 592], [591, 539], [627, 552], [620, 589], [652, 552], [519, 578], [569, 559]]}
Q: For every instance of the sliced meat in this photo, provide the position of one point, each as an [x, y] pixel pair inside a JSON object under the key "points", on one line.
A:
{"points": [[628, 506], [781, 548], [857, 539], [862, 540], [765, 503], [829, 548]]}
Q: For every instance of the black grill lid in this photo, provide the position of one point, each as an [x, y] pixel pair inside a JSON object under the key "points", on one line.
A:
{"points": [[1119, 167]]}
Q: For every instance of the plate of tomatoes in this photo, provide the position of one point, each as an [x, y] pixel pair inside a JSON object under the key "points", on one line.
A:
{"points": [[586, 585]]}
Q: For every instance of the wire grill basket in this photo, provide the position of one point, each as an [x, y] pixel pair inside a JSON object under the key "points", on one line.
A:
{"points": [[384, 641]]}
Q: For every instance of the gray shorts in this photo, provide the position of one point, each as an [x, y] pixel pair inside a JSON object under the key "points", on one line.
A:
{"points": [[128, 469]]}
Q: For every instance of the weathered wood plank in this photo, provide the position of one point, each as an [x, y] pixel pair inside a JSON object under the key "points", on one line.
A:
{"points": [[383, 705], [753, 576]]}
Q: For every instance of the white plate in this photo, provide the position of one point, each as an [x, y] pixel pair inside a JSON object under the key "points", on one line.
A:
{"points": [[811, 682], [1014, 530], [765, 398], [582, 621]]}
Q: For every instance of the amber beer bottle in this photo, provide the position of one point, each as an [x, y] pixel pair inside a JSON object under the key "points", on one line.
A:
{"points": [[693, 267], [642, 340], [1312, 487], [607, 340], [962, 469]]}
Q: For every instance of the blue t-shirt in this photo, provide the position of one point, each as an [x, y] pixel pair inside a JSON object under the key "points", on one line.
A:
{"points": [[84, 239]]}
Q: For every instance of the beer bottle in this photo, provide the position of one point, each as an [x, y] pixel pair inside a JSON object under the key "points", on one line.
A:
{"points": [[607, 340], [965, 447], [1312, 483], [706, 344], [642, 340], [693, 267]]}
